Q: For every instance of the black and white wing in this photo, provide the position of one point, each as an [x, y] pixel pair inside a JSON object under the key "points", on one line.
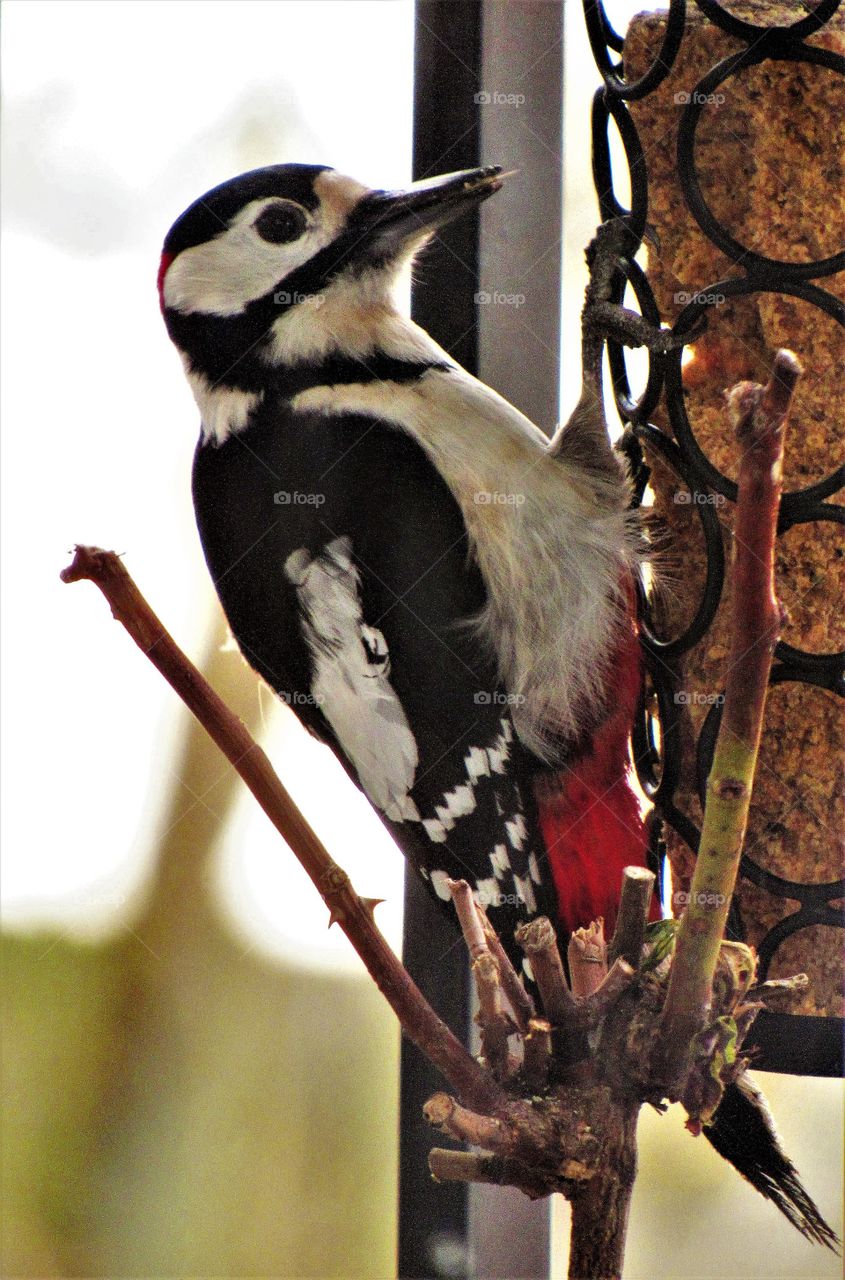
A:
{"points": [[348, 583]]}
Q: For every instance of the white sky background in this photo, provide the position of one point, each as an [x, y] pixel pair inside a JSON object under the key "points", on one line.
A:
{"points": [[116, 117]]}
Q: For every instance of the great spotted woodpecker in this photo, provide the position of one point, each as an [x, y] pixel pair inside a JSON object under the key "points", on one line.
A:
{"points": [[442, 594], [445, 596]]}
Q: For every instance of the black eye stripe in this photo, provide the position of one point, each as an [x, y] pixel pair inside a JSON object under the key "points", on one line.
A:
{"points": [[281, 222]]}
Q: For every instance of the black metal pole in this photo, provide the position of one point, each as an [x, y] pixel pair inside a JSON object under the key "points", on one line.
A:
{"points": [[433, 1219], [488, 89]]}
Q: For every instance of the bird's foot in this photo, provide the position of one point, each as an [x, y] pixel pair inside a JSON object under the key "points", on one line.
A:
{"points": [[611, 320]]}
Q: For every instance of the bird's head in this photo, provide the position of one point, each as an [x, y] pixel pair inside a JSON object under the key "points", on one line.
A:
{"points": [[254, 260]]}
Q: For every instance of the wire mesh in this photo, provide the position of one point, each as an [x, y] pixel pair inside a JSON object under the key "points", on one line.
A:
{"points": [[657, 737]]}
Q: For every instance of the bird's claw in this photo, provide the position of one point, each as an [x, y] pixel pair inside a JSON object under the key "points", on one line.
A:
{"points": [[620, 324]]}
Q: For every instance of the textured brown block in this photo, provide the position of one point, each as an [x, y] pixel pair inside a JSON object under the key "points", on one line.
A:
{"points": [[770, 157]]}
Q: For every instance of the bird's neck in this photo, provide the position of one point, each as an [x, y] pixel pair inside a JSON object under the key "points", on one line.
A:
{"points": [[353, 333], [354, 318]]}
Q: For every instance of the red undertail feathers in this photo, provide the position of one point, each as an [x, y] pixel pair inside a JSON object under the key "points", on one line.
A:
{"points": [[589, 812]]}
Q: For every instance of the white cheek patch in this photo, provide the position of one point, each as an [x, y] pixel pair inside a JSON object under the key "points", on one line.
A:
{"points": [[222, 276]]}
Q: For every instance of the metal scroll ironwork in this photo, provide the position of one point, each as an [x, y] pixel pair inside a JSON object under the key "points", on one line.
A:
{"points": [[790, 1043]]}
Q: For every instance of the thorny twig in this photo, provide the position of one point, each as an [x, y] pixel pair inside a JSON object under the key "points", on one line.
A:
{"points": [[353, 913]]}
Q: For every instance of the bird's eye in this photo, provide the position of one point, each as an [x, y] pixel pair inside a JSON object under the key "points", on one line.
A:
{"points": [[280, 223]]}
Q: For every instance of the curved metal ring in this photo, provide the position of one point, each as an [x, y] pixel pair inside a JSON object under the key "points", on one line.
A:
{"points": [[783, 673], [629, 409], [605, 106], [598, 29], [693, 195], [667, 650], [748, 31], [741, 286], [785, 928], [660, 792]]}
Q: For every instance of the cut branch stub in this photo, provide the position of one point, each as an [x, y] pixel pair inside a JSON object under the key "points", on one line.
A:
{"points": [[587, 957], [537, 1050], [629, 935], [518, 998], [539, 942], [495, 1025]]}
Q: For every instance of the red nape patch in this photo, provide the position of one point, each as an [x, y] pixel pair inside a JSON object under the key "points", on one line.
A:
{"points": [[166, 259], [590, 814]]}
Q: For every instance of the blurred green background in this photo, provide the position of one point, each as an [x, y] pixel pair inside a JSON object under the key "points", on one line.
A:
{"points": [[177, 1104]]}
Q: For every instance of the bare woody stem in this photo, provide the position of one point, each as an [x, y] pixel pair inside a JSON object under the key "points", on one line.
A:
{"points": [[466, 1166], [601, 1206], [587, 958], [759, 415], [495, 1025], [353, 913], [632, 918], [517, 996]]}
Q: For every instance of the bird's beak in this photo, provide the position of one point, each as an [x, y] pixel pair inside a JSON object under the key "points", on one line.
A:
{"points": [[389, 219]]}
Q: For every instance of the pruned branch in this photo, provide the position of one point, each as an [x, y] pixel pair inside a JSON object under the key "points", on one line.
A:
{"points": [[495, 1025], [632, 917], [539, 942], [618, 979], [353, 913], [518, 998], [759, 415], [587, 958], [537, 1050]]}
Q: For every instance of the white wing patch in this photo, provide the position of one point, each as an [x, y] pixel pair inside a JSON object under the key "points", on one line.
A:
{"points": [[487, 893], [500, 861], [516, 831], [440, 882], [350, 683], [525, 892], [505, 884], [478, 763]]}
